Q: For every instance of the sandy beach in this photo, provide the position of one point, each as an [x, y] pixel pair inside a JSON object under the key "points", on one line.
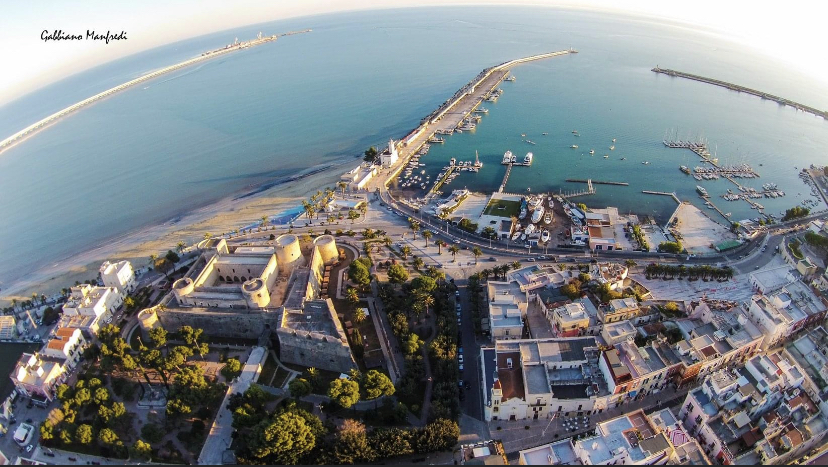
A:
{"points": [[231, 213]]}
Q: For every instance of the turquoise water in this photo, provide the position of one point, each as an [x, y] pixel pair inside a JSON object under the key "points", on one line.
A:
{"points": [[155, 151]]}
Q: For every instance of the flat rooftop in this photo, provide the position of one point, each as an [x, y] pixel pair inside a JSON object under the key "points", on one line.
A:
{"points": [[316, 316], [558, 453]]}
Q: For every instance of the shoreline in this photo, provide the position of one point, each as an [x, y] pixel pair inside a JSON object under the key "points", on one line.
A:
{"points": [[229, 213]]}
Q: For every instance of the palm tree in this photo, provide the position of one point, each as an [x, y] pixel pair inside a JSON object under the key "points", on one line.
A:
{"points": [[154, 257], [515, 265], [359, 315], [426, 235], [453, 250], [180, 247], [14, 304], [630, 263], [477, 253], [207, 235], [415, 227], [342, 186], [313, 374], [310, 210], [34, 297], [427, 301], [418, 263], [484, 274], [264, 221], [387, 240], [440, 245], [405, 251], [352, 295]]}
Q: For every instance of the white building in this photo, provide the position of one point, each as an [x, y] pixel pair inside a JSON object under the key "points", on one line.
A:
{"points": [[119, 275], [776, 317], [8, 327], [767, 281], [507, 309], [67, 344], [36, 377], [89, 300]]}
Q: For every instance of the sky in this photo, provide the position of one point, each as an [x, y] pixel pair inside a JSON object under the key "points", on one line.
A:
{"points": [[790, 31]]}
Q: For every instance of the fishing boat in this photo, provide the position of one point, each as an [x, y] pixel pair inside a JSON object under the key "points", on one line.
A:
{"points": [[530, 229], [606, 156], [546, 133], [551, 203], [528, 159], [646, 162], [511, 78], [547, 219], [623, 158], [701, 190], [592, 151], [574, 146], [574, 132], [612, 148], [685, 169], [522, 237], [516, 235], [531, 142], [613, 140], [523, 213], [545, 236]]}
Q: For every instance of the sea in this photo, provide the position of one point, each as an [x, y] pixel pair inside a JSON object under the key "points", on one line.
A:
{"points": [[227, 126]]}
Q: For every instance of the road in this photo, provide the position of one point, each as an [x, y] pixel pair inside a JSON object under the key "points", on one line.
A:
{"points": [[472, 405]]}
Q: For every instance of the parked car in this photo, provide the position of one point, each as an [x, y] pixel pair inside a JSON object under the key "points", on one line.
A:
{"points": [[460, 358], [460, 368], [457, 293]]}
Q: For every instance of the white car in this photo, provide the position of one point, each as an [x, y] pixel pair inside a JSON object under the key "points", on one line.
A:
{"points": [[460, 358], [29, 448]]}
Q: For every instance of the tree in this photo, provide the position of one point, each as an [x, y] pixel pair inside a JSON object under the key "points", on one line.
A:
{"points": [[671, 308], [426, 235], [397, 274], [359, 274], [795, 213], [378, 384], [353, 215], [172, 257], [283, 441], [439, 435], [415, 227], [344, 392], [418, 263], [412, 344], [440, 244], [352, 295], [83, 435], [477, 254], [584, 277], [392, 442], [351, 444], [359, 315], [180, 246], [630, 263], [370, 155], [164, 266], [107, 436], [158, 336], [427, 301], [232, 368], [423, 285], [454, 249], [299, 387], [516, 265], [101, 396], [141, 450]]}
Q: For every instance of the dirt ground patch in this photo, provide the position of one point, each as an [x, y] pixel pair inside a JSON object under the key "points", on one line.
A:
{"points": [[698, 231]]}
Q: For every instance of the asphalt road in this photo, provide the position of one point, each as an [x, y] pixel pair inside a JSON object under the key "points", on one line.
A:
{"points": [[471, 354]]}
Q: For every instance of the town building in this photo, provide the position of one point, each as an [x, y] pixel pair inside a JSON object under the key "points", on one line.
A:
{"points": [[739, 419], [635, 372], [359, 177], [119, 275], [569, 320], [810, 352], [613, 274], [67, 344], [8, 327], [507, 309], [776, 316], [767, 281], [626, 309], [37, 377], [541, 378], [481, 453], [600, 228], [630, 439], [616, 333], [88, 307]]}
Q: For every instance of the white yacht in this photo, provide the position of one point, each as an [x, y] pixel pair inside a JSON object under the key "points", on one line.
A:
{"points": [[516, 235], [574, 146], [538, 214], [508, 157], [530, 229], [612, 147], [545, 236], [551, 203], [547, 219], [528, 159], [592, 151]]}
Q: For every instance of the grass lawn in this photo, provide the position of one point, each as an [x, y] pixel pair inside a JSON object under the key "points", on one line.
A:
{"points": [[268, 370], [502, 208], [280, 378]]}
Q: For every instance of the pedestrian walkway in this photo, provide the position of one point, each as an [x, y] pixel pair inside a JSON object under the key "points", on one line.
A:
{"points": [[516, 437]]}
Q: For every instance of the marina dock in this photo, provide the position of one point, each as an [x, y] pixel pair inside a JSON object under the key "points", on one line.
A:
{"points": [[673, 194], [505, 178], [597, 182], [35, 127], [589, 191], [736, 87]]}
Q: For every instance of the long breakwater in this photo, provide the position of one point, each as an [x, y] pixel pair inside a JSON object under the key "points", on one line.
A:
{"points": [[736, 87], [37, 126]]}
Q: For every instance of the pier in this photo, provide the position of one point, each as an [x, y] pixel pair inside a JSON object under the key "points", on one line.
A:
{"points": [[716, 208], [589, 191], [597, 182], [736, 87], [673, 194], [463, 103], [35, 127], [505, 178]]}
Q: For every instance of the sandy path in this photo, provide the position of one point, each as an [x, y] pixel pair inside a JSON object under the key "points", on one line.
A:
{"points": [[226, 215]]}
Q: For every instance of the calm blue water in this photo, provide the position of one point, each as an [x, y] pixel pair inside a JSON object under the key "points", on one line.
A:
{"points": [[188, 139]]}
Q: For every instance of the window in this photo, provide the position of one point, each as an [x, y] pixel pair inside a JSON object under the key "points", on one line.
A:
{"points": [[496, 409]]}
